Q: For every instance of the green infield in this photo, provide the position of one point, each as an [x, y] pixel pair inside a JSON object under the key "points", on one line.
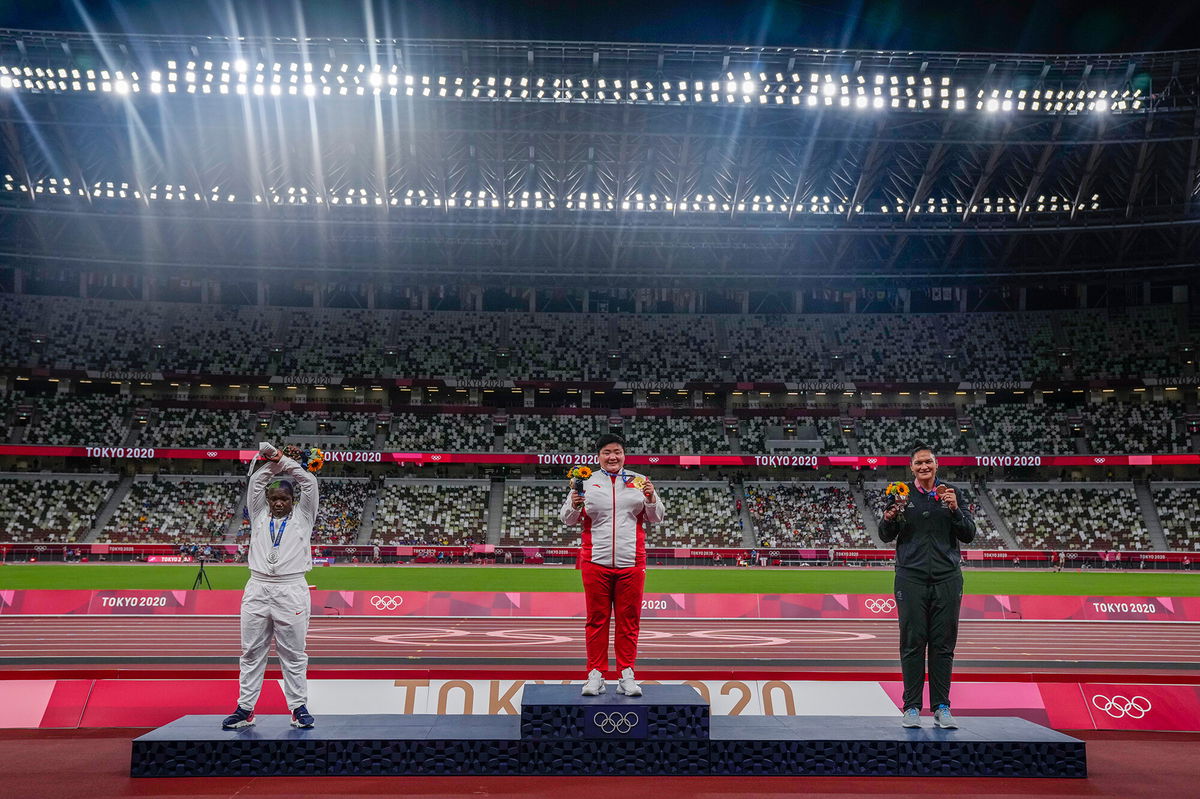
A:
{"points": [[549, 578]]}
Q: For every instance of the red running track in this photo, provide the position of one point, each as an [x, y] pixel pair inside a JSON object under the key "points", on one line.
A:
{"points": [[745, 644]]}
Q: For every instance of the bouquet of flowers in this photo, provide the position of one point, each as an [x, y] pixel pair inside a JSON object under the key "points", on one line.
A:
{"points": [[896, 492], [311, 458], [577, 475]]}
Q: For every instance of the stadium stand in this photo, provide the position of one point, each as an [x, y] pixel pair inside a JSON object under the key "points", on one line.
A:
{"points": [[341, 509], [1141, 342], [303, 429], [79, 420], [665, 347], [203, 427], [215, 339], [556, 346], [170, 511], [461, 344], [1021, 429], [1094, 517], [451, 512], [527, 433], [779, 349], [1179, 512], [1122, 428], [8, 404], [698, 515], [531, 515], [756, 429], [890, 435], [986, 534], [688, 435], [60, 508], [345, 341], [74, 333], [805, 515], [448, 432]]}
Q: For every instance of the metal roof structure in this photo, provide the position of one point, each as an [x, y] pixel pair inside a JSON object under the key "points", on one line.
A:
{"points": [[552, 161]]}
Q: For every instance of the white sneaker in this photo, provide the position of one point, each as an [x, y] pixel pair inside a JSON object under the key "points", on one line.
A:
{"points": [[626, 684], [594, 685]]}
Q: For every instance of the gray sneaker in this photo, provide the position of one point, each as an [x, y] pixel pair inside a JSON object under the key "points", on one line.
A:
{"points": [[943, 719], [911, 718], [627, 685], [594, 685]]}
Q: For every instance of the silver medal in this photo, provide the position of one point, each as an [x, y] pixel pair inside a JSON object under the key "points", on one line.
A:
{"points": [[272, 556]]}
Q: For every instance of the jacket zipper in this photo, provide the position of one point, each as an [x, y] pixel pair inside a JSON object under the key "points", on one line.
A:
{"points": [[614, 522]]}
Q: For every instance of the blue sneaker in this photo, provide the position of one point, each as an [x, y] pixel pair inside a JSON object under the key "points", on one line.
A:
{"points": [[238, 719], [911, 718], [302, 718], [943, 719]]}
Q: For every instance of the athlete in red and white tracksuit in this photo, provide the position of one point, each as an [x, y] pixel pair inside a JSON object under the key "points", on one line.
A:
{"points": [[613, 556]]}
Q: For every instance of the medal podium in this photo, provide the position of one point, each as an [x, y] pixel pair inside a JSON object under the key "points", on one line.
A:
{"points": [[667, 731]]}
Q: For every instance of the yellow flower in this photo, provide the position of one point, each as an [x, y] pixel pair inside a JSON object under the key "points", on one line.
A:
{"points": [[897, 488]]}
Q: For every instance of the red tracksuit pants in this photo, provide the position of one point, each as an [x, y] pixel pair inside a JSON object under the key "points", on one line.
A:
{"points": [[608, 590]]}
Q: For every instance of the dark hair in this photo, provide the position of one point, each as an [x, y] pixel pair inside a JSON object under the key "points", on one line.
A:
{"points": [[286, 485], [912, 453], [609, 438]]}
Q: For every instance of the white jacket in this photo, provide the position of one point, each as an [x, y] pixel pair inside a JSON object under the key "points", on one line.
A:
{"points": [[295, 547], [614, 515]]}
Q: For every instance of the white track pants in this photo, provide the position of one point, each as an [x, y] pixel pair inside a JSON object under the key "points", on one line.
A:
{"points": [[282, 609]]}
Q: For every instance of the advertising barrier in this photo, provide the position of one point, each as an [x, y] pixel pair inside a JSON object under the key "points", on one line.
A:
{"points": [[544, 459], [33, 704], [477, 604]]}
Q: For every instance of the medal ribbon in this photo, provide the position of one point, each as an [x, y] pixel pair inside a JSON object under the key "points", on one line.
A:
{"points": [[277, 539]]}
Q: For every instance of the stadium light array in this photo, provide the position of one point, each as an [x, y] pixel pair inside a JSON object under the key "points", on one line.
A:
{"points": [[878, 92], [483, 199]]}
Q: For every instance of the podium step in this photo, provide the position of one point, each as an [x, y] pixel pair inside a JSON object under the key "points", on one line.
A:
{"points": [[196, 746], [663, 712]]}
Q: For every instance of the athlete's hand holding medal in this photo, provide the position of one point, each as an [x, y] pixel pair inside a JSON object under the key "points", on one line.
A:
{"points": [[644, 485], [948, 497]]}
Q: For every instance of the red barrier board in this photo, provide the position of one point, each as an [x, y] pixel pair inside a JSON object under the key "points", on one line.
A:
{"points": [[478, 604], [768, 461], [150, 703]]}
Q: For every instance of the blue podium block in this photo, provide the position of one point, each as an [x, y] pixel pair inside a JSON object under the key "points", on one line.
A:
{"points": [[663, 712], [666, 731]]}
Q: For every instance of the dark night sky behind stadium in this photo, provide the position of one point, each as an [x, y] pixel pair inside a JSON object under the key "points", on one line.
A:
{"points": [[994, 25]]}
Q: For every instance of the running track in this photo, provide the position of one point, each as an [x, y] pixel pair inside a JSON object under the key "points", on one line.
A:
{"points": [[757, 644]]}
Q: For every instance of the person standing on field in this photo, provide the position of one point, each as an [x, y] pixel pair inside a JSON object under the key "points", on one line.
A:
{"points": [[282, 501], [927, 525], [614, 508]]}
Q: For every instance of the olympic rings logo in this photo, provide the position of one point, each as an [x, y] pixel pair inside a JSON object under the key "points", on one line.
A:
{"points": [[1119, 706], [615, 722], [881, 605], [380, 602]]}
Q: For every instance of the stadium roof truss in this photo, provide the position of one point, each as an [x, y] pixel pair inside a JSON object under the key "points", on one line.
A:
{"points": [[548, 160]]}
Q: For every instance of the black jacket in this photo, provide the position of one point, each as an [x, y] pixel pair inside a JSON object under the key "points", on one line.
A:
{"points": [[927, 534]]}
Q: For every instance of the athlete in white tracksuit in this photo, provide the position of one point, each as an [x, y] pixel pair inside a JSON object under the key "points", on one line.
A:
{"points": [[282, 503]]}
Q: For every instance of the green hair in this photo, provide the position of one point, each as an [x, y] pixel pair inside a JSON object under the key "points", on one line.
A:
{"points": [[286, 485]]}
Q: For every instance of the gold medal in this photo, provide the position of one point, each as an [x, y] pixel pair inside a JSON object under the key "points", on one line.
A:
{"points": [[639, 482]]}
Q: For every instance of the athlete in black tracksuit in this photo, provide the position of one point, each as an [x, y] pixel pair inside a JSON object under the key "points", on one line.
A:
{"points": [[929, 583]]}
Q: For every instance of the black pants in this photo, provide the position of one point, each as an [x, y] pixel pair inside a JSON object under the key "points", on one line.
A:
{"points": [[928, 621]]}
